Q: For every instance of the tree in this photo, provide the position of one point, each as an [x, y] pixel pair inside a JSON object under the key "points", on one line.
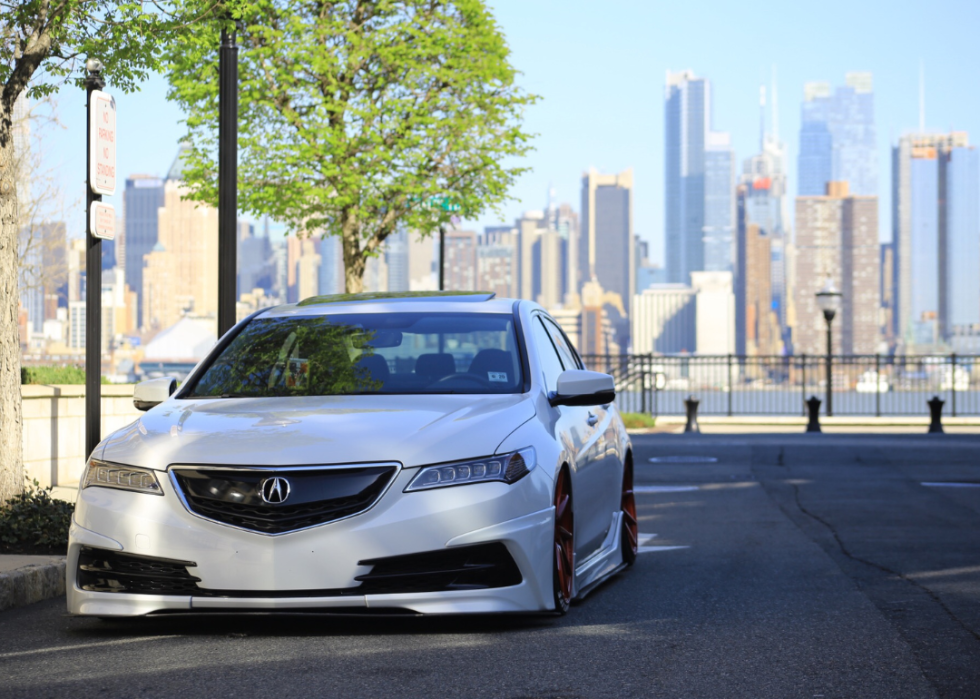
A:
{"points": [[355, 115], [43, 48]]}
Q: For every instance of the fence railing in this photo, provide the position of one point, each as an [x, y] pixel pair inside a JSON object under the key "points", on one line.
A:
{"points": [[879, 385]]}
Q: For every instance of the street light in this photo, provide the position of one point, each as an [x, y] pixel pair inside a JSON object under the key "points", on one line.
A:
{"points": [[829, 300]]}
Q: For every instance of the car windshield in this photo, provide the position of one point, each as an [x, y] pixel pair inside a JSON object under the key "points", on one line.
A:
{"points": [[348, 354]]}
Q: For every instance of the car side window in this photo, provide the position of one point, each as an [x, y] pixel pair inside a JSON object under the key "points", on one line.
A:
{"points": [[564, 347], [550, 361]]}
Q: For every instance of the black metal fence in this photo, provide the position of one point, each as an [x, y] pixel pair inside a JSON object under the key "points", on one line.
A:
{"points": [[877, 385]]}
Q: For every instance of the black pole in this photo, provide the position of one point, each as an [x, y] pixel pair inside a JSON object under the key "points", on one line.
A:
{"points": [[93, 282], [830, 366], [227, 181], [442, 257]]}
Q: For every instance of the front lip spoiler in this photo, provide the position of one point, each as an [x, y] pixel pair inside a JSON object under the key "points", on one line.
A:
{"points": [[278, 469]]}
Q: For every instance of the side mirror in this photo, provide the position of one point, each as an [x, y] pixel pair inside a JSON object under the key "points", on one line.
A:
{"points": [[152, 392], [579, 387]]}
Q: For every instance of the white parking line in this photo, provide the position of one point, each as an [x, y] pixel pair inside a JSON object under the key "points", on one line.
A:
{"points": [[946, 485], [658, 549], [59, 649], [683, 460], [664, 488]]}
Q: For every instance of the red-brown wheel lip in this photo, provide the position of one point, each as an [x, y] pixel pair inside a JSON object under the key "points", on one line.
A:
{"points": [[564, 538], [628, 506]]}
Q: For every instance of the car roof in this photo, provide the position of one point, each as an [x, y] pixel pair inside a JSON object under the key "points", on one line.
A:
{"points": [[398, 302]]}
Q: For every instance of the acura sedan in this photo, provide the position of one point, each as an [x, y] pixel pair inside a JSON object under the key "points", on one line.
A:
{"points": [[394, 453]]}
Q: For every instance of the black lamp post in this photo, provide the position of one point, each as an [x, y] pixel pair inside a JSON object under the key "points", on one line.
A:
{"points": [[93, 281], [227, 181], [829, 300]]}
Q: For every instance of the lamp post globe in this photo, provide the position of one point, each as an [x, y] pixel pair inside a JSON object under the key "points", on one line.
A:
{"points": [[829, 301]]}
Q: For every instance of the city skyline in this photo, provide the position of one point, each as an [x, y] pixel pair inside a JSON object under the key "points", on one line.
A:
{"points": [[624, 111]]}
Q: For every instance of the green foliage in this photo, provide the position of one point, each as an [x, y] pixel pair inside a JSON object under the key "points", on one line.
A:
{"points": [[34, 522], [54, 375], [46, 42], [638, 420], [355, 115]]}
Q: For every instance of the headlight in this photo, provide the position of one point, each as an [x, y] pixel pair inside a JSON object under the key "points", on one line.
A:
{"points": [[106, 475], [507, 468]]}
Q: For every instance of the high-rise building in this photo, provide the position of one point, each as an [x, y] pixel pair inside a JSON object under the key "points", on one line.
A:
{"points": [[396, 256], [719, 202], [142, 199], [461, 267], [698, 179], [664, 320], [764, 202], [549, 261], [43, 272], [936, 237], [606, 249], [256, 268], [714, 312], [180, 273], [422, 271], [837, 137], [331, 280], [529, 226], [757, 330], [837, 238]]}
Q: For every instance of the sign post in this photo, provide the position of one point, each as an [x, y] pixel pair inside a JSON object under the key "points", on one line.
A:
{"points": [[101, 170]]}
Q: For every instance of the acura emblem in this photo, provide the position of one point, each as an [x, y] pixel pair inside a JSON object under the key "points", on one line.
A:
{"points": [[275, 490]]}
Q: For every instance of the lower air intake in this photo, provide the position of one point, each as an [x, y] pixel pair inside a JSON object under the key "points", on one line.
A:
{"points": [[463, 568]]}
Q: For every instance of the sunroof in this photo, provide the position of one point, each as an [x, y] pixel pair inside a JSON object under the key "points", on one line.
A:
{"points": [[463, 296]]}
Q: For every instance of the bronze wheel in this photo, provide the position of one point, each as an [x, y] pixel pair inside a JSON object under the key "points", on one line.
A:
{"points": [[630, 535], [564, 572]]}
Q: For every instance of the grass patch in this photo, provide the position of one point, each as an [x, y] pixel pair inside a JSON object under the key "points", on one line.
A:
{"points": [[638, 420]]}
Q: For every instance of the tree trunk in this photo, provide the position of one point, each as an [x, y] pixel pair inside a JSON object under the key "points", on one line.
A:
{"points": [[353, 254], [11, 421]]}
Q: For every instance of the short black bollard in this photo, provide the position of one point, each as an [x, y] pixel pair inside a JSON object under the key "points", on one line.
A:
{"points": [[936, 412], [813, 407], [692, 404]]}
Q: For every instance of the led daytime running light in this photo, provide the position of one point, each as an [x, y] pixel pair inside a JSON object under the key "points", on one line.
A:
{"points": [[106, 475], [505, 468]]}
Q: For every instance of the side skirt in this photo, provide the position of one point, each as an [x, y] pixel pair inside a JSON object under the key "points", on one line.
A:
{"points": [[604, 563]]}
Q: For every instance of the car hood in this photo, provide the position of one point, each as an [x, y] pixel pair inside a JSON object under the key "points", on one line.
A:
{"points": [[414, 430]]}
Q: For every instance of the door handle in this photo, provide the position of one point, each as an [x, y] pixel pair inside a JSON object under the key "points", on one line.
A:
{"points": [[592, 420]]}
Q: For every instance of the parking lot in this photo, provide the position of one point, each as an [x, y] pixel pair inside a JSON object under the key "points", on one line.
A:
{"points": [[771, 566]]}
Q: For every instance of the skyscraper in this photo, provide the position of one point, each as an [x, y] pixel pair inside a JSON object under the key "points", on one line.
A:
{"points": [[142, 199], [757, 329], [837, 137], [837, 238], [698, 178], [180, 274], [764, 203], [936, 237], [606, 250], [719, 203]]}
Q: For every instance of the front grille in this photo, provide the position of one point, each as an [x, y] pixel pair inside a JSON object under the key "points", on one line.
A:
{"points": [[463, 568], [315, 496]]}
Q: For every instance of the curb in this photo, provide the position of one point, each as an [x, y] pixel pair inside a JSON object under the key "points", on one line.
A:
{"points": [[30, 584]]}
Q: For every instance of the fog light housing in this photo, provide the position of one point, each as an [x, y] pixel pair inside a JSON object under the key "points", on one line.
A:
{"points": [[103, 474], [504, 468]]}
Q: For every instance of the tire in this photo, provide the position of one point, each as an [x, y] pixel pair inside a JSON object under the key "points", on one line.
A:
{"points": [[630, 537], [563, 569]]}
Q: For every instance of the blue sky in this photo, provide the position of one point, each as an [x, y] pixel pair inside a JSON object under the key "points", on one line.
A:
{"points": [[599, 67]]}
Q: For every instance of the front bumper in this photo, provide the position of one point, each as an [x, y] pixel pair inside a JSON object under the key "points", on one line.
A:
{"points": [[326, 557]]}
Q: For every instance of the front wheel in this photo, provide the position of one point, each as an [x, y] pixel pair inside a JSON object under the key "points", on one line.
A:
{"points": [[630, 535], [564, 559]]}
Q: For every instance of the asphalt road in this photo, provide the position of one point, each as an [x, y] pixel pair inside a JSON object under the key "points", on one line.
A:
{"points": [[806, 566]]}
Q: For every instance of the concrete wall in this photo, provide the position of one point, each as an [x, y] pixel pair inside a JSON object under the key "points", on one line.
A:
{"points": [[54, 428]]}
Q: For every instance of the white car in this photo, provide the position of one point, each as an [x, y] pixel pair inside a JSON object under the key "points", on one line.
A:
{"points": [[434, 453]]}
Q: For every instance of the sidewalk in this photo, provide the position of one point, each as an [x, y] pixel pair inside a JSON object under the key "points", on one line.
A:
{"points": [[772, 424], [28, 579]]}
